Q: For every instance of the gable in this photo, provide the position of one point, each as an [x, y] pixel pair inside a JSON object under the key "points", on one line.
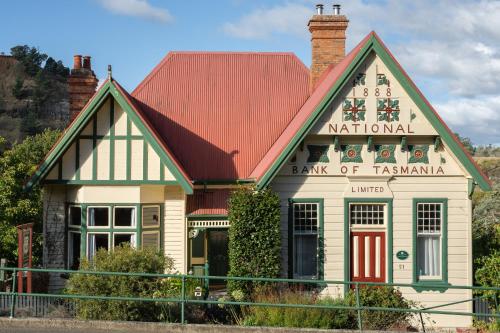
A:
{"points": [[109, 143], [323, 115]]}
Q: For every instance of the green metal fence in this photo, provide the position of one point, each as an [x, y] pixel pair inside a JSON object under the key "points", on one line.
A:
{"points": [[183, 300]]}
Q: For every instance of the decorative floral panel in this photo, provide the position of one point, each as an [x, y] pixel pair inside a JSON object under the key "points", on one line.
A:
{"points": [[360, 79], [318, 153], [382, 80], [385, 154], [387, 109], [419, 154], [351, 154], [354, 109]]}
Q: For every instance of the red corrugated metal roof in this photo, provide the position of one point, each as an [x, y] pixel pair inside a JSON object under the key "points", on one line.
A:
{"points": [[207, 202], [220, 112]]}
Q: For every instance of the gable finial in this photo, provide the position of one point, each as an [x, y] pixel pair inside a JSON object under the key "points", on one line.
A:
{"points": [[109, 72]]}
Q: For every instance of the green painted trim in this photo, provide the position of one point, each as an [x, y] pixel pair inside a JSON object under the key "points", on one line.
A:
{"points": [[83, 235], [162, 171], [347, 236], [109, 182], [129, 150], [77, 159], [94, 147], [108, 137], [59, 169], [374, 45], [321, 234], [111, 139], [206, 217], [145, 160], [471, 186], [223, 181], [424, 284]]}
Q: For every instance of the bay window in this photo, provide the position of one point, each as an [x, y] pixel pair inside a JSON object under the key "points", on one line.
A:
{"points": [[94, 227]]}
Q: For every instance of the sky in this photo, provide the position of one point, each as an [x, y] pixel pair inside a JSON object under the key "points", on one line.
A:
{"points": [[451, 49]]}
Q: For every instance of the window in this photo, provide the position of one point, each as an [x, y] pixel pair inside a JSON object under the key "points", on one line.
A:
{"points": [[151, 226], [367, 214], [122, 238], [430, 240], [74, 242], [75, 216], [124, 217], [95, 242], [305, 232], [98, 217]]}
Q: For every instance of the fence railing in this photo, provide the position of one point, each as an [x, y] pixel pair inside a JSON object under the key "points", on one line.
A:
{"points": [[183, 299]]}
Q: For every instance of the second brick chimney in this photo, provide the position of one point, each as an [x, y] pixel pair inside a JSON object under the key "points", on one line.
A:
{"points": [[82, 84], [327, 41]]}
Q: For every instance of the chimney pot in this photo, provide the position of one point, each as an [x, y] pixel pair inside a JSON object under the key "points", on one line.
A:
{"points": [[336, 9], [86, 62], [77, 61], [327, 42], [319, 9]]}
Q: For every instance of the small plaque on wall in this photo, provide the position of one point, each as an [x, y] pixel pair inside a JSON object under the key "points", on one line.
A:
{"points": [[402, 255]]}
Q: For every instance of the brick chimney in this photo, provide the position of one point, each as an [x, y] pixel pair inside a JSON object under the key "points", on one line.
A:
{"points": [[327, 41], [82, 84]]}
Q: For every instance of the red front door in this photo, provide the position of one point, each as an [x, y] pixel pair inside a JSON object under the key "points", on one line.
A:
{"points": [[368, 256]]}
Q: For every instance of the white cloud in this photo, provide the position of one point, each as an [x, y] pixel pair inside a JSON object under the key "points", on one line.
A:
{"points": [[138, 8], [474, 118], [262, 23], [450, 48]]}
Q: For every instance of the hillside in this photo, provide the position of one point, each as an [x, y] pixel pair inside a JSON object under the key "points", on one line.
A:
{"points": [[491, 165], [33, 94]]}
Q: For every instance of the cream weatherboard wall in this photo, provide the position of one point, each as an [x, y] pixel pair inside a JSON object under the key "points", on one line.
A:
{"points": [[121, 154], [373, 143]]}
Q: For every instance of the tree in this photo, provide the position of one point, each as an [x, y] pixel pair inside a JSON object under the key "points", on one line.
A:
{"points": [[18, 206], [254, 238], [18, 91], [30, 57], [486, 224], [467, 143]]}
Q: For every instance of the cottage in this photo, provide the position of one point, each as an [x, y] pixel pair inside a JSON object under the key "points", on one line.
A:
{"points": [[374, 186]]}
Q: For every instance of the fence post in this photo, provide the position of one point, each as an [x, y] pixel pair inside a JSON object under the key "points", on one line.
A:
{"points": [[13, 293], [358, 305], [183, 298]]}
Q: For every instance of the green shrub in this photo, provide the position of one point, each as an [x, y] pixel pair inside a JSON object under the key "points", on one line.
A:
{"points": [[386, 297], [488, 275], [121, 259], [254, 238], [297, 317]]}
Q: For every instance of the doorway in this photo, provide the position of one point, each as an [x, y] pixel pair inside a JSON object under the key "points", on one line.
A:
{"points": [[209, 254]]}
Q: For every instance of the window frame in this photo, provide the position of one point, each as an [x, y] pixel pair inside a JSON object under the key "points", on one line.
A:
{"points": [[136, 231], [359, 227], [110, 216], [87, 234], [431, 282], [320, 252], [133, 226], [133, 240], [69, 253]]}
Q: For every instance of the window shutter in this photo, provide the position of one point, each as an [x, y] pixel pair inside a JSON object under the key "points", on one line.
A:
{"points": [[150, 216], [151, 239]]}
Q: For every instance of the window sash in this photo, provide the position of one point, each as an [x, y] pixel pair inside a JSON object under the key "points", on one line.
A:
{"points": [[91, 243], [305, 228], [429, 256], [132, 238], [91, 217], [367, 214], [133, 217], [70, 215]]}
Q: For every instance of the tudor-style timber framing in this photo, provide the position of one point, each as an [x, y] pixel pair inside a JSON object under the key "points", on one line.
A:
{"points": [[373, 44], [347, 236], [113, 92]]}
